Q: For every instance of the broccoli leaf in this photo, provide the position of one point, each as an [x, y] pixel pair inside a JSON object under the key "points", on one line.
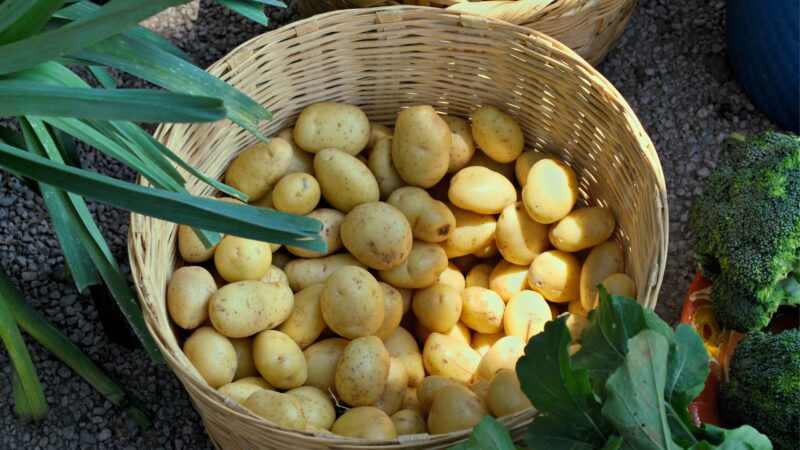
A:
{"points": [[488, 434], [742, 438]]}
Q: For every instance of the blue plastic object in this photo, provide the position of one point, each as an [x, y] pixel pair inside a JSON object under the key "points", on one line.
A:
{"points": [[763, 39]]}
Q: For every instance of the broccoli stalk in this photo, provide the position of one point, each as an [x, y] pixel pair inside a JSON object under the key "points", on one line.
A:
{"points": [[747, 230]]}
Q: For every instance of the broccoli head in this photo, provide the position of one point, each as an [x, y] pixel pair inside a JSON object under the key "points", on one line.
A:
{"points": [[746, 226], [764, 386]]}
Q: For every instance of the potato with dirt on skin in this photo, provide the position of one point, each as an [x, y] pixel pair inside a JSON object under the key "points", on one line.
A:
{"points": [[462, 144], [331, 223], [321, 360], [345, 181], [444, 355], [352, 303], [472, 232], [305, 322], [420, 269], [481, 190], [497, 134], [296, 193], [256, 170], [282, 409], [245, 308], [376, 132], [526, 314], [478, 276], [556, 275], [430, 220], [428, 388], [409, 421], [455, 408], [603, 261], [524, 163], [302, 161], [437, 307], [245, 366], [394, 393], [503, 354], [582, 228], [362, 371], [241, 389], [519, 238], [401, 345], [421, 146], [482, 310], [317, 406], [458, 331], [504, 395], [279, 360], [239, 259], [482, 342], [410, 400], [381, 165], [377, 234], [188, 292], [392, 311], [212, 354], [332, 125], [365, 422], [303, 272], [550, 192]]}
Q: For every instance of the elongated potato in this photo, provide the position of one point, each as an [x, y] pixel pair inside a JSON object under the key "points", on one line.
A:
{"points": [[259, 167], [497, 134], [556, 275], [321, 360], [443, 355], [352, 303], [332, 125], [409, 421], [420, 269], [428, 388], [603, 261], [365, 422], [482, 342], [212, 354], [279, 360], [481, 190], [524, 163], [394, 393], [472, 232], [453, 277], [462, 144], [455, 408], [331, 223], [296, 193], [190, 247], [392, 311], [302, 161], [377, 234], [526, 314], [503, 354], [376, 132], [401, 345], [345, 181], [519, 238], [317, 406], [362, 371], [430, 220], [478, 276], [504, 395], [582, 228], [381, 165], [550, 192], [302, 273], [421, 146], [305, 322], [437, 307], [188, 292], [245, 366], [620, 284], [238, 259], [508, 279], [482, 310], [241, 389], [282, 409], [244, 308]]}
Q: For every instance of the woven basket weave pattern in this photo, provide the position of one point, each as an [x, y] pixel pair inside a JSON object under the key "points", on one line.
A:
{"points": [[382, 60]]}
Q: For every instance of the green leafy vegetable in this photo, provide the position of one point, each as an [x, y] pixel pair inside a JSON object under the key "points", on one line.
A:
{"points": [[488, 434]]}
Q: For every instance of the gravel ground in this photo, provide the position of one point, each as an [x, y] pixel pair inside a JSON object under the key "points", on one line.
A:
{"points": [[670, 65]]}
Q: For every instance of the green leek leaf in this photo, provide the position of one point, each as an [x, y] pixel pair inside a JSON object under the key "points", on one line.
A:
{"points": [[103, 77], [22, 18], [250, 10]]}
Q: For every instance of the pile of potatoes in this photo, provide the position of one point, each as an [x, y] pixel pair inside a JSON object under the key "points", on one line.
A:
{"points": [[442, 262]]}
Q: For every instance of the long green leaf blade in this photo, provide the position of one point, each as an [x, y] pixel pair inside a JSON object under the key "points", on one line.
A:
{"points": [[250, 10], [22, 18], [103, 77], [276, 3]]}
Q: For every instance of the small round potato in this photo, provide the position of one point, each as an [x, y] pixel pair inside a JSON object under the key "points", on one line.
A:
{"points": [[302, 161], [455, 408], [472, 232], [582, 228], [437, 307], [603, 261], [420, 269], [302, 273], [479, 276], [317, 406], [526, 314], [305, 322], [365, 422], [620, 284], [279, 360], [410, 401], [190, 247], [378, 234], [429, 387], [244, 308], [430, 220], [332, 125], [296, 193], [401, 345], [524, 163], [556, 275], [519, 238], [212, 354], [321, 360], [345, 181], [508, 279], [421, 146], [245, 366], [482, 342], [453, 277], [394, 393], [352, 303], [497, 134], [238, 259], [275, 275], [550, 192], [482, 310], [481, 190], [381, 165], [462, 144], [409, 421], [240, 390], [376, 132], [504, 395], [444, 355], [362, 372], [458, 331], [503, 354], [283, 409], [188, 292], [259, 167], [331, 222]]}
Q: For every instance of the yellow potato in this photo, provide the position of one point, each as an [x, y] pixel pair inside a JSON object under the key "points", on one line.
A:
{"points": [[479, 387], [550, 192], [377, 234], [478, 276], [503, 354], [244, 308], [422, 268], [575, 307], [458, 331], [279, 260], [317, 406], [392, 311], [259, 167], [497, 134], [406, 294], [279, 360], [472, 232], [524, 163], [410, 400], [508, 279], [302, 273], [504, 169], [481, 190], [394, 393], [345, 181], [429, 387], [188, 292], [488, 251], [409, 421], [245, 366], [282, 409], [620, 284], [603, 261], [365, 422], [352, 303], [331, 222], [238, 259], [437, 307], [332, 125], [376, 132], [362, 372], [526, 315], [190, 247], [381, 165], [556, 275], [504, 395], [275, 275], [212, 354], [519, 238], [296, 193], [444, 355], [264, 202], [421, 146], [321, 360], [401, 345], [482, 342], [482, 310], [240, 390], [455, 408], [430, 220], [305, 322], [462, 145], [576, 324], [453, 277], [582, 228], [466, 263], [302, 161]]}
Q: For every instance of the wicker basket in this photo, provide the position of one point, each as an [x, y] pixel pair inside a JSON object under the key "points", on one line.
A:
{"points": [[590, 27], [384, 59]]}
